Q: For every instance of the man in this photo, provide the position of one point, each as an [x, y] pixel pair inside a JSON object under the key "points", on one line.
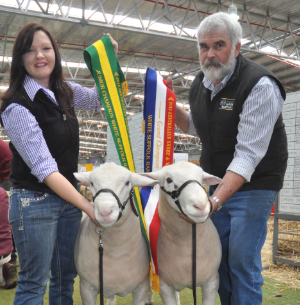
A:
{"points": [[8, 271], [235, 108]]}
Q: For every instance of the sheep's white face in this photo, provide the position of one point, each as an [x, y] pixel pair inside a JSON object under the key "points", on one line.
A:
{"points": [[193, 198], [117, 179]]}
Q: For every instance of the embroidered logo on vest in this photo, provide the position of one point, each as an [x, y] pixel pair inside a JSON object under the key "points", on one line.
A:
{"points": [[226, 104]]}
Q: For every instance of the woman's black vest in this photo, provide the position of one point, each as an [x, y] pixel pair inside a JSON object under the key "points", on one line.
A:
{"points": [[62, 138], [216, 122]]}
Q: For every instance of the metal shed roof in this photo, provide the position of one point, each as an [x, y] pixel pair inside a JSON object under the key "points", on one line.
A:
{"points": [[152, 33]]}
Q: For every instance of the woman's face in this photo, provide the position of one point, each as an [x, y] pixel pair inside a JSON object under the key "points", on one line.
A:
{"points": [[39, 61]]}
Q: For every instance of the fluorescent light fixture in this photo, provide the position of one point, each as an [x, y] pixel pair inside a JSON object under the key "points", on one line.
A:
{"points": [[232, 11], [245, 41], [189, 77], [140, 96]]}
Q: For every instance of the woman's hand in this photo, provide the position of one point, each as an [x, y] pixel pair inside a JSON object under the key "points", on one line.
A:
{"points": [[89, 210], [114, 43]]}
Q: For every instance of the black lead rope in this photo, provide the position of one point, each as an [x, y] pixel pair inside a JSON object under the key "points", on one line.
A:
{"points": [[133, 207], [101, 269], [194, 250], [122, 207], [175, 197]]}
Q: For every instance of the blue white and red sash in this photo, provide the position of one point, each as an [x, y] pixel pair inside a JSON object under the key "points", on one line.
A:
{"points": [[159, 125]]}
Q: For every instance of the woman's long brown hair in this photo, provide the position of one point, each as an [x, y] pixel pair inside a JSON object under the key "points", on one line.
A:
{"points": [[57, 84]]}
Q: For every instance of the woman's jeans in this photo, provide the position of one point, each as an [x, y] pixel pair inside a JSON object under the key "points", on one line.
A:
{"points": [[44, 228], [242, 226]]}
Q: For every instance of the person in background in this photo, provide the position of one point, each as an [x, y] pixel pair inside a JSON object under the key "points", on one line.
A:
{"points": [[8, 271], [5, 182], [5, 158], [235, 109], [37, 112]]}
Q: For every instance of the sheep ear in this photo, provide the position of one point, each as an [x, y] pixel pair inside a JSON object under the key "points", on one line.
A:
{"points": [[83, 177], [210, 179], [141, 180], [157, 175]]}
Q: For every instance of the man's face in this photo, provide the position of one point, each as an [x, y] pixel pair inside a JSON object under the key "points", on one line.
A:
{"points": [[217, 56]]}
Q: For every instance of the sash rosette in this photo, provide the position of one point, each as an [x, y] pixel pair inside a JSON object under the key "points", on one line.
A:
{"points": [[159, 125], [101, 60]]}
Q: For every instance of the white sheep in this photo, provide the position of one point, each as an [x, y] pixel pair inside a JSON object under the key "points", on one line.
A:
{"points": [[174, 248], [125, 256]]}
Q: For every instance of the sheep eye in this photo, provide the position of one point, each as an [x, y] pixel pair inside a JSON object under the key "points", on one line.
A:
{"points": [[169, 180], [127, 183], [92, 184]]}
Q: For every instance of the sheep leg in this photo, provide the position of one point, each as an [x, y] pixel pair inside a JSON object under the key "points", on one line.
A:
{"points": [[88, 293], [168, 295], [139, 295], [177, 298], [111, 301], [210, 290], [149, 299]]}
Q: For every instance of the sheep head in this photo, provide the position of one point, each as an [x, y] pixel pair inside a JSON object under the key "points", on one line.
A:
{"points": [[193, 198], [118, 179]]}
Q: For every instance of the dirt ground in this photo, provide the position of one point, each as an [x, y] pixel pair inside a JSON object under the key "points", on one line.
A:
{"points": [[285, 273]]}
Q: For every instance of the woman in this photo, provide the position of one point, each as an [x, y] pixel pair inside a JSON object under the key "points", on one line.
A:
{"points": [[37, 112]]}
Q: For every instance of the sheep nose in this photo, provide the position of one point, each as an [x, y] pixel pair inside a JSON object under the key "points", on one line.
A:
{"points": [[199, 206], [105, 213]]}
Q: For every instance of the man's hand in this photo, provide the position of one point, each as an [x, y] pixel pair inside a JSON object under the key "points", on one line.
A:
{"points": [[181, 116], [114, 43], [214, 206], [170, 83], [230, 184]]}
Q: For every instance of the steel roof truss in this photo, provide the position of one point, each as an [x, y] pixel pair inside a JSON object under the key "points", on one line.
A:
{"points": [[137, 66], [274, 39], [102, 10], [4, 53], [69, 8], [67, 66], [59, 9], [115, 12], [4, 47], [294, 42], [263, 33], [185, 17], [170, 16], [127, 66], [28, 3], [250, 28], [152, 13], [20, 5], [77, 69], [284, 37], [196, 12], [138, 13]]}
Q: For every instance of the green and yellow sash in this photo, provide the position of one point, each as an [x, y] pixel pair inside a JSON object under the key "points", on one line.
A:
{"points": [[101, 60]]}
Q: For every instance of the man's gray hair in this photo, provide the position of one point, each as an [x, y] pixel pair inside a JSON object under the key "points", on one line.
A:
{"points": [[220, 22]]}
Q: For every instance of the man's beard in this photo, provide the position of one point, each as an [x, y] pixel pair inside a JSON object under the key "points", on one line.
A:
{"points": [[214, 70]]}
